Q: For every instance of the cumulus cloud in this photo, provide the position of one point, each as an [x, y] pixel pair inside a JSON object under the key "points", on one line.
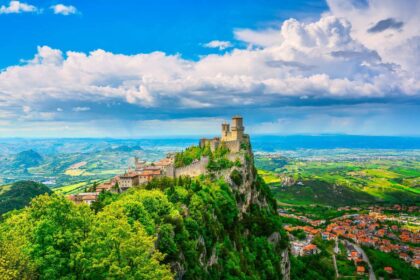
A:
{"points": [[216, 44], [16, 7], [64, 10], [263, 38], [333, 60], [395, 22]]}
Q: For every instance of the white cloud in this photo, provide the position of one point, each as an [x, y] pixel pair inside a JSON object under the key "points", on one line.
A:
{"points": [[221, 45], [26, 109], [80, 109], [16, 7], [331, 59], [393, 42], [61, 9], [263, 38]]}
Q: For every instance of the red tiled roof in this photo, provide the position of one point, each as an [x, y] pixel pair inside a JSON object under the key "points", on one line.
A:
{"points": [[309, 247]]}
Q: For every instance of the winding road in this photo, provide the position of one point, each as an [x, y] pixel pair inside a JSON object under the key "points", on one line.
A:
{"points": [[366, 259], [337, 275]]}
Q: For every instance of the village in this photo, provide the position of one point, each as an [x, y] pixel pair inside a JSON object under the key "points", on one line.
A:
{"points": [[375, 229], [232, 136]]}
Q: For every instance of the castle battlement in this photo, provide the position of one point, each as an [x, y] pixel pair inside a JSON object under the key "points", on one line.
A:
{"points": [[232, 136]]}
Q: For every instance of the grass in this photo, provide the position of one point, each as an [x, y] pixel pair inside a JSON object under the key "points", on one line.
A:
{"points": [[4, 189], [69, 189], [269, 176], [74, 172], [336, 181]]}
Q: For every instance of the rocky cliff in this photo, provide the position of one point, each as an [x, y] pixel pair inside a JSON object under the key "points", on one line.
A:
{"points": [[256, 208]]}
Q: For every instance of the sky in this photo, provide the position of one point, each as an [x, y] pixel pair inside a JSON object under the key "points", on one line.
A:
{"points": [[132, 69]]}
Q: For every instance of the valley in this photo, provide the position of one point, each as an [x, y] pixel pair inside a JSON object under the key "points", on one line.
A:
{"points": [[342, 176]]}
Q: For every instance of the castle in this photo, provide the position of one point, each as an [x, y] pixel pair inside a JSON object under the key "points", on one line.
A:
{"points": [[232, 136]]}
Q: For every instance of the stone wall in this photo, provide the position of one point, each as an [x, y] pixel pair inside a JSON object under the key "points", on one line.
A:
{"points": [[194, 169], [234, 146]]}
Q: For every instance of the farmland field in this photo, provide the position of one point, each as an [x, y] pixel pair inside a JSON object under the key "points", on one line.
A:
{"points": [[339, 177]]}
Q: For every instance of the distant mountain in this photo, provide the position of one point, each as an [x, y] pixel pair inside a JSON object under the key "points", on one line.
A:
{"points": [[27, 159], [19, 194], [125, 148]]}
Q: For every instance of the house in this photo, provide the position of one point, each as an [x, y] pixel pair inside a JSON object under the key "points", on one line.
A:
{"points": [[128, 180], [404, 256], [416, 263], [388, 269], [148, 174], [107, 186], [87, 198], [360, 270], [310, 249]]}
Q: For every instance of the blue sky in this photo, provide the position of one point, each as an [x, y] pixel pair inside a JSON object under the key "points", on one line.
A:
{"points": [[154, 68], [140, 26]]}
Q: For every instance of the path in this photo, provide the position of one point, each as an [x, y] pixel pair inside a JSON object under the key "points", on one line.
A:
{"points": [[366, 259], [334, 260]]}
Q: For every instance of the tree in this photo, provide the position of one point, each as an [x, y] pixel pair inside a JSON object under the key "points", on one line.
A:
{"points": [[116, 187], [47, 233], [114, 249]]}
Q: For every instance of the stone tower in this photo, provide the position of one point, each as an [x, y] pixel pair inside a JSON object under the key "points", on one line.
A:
{"points": [[237, 129], [233, 132], [225, 130]]}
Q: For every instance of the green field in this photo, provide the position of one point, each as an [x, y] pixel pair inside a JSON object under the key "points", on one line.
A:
{"points": [[342, 180]]}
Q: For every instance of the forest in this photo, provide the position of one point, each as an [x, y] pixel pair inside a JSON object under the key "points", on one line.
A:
{"points": [[188, 227]]}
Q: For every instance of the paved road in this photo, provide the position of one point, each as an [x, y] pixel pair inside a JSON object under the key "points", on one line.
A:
{"points": [[334, 260], [366, 259], [335, 267]]}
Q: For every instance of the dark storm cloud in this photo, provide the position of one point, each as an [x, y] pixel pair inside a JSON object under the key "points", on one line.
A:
{"points": [[382, 25]]}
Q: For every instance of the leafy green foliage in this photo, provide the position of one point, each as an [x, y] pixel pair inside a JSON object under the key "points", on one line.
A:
{"points": [[197, 227], [236, 177], [218, 159], [190, 154], [219, 164], [299, 233], [319, 266], [19, 194], [139, 233], [401, 269], [60, 240]]}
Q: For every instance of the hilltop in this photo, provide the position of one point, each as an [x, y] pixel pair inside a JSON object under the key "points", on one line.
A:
{"points": [[221, 223], [19, 194], [27, 159]]}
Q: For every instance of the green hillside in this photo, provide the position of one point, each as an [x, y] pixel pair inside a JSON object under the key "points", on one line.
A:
{"points": [[337, 180], [19, 194], [221, 225], [28, 158]]}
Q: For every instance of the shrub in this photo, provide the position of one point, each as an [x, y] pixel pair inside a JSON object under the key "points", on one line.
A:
{"points": [[236, 177]]}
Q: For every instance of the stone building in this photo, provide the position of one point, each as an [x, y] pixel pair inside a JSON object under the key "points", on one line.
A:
{"points": [[128, 180], [87, 198], [232, 136], [234, 132]]}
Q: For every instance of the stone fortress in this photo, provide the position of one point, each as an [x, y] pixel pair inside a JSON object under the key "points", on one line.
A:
{"points": [[232, 136]]}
